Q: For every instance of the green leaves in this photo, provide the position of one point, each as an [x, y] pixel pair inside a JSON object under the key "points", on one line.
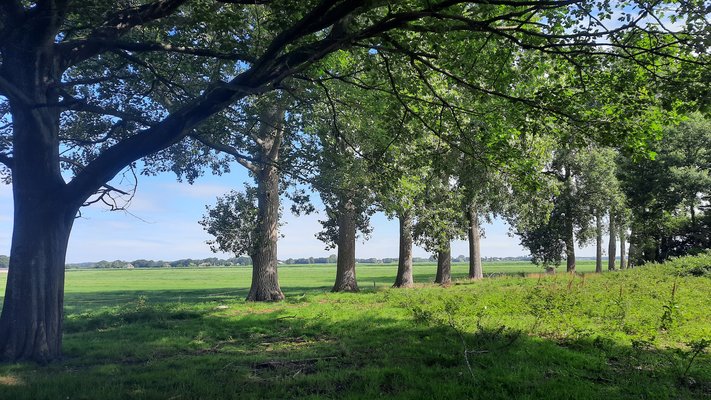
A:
{"points": [[233, 222]]}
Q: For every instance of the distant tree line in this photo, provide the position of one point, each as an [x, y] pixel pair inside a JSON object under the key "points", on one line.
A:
{"points": [[246, 261], [141, 263]]}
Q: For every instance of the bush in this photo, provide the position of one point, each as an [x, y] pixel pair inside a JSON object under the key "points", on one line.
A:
{"points": [[693, 266]]}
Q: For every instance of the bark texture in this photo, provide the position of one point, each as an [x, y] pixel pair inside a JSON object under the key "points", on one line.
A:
{"points": [[475, 269], [31, 320], [345, 265], [612, 246], [404, 264], [265, 278], [444, 265], [623, 258], [598, 244]]}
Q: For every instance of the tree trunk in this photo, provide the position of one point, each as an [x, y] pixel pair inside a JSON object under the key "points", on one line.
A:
{"points": [[444, 265], [632, 250], [569, 244], [598, 244], [475, 270], [612, 246], [569, 223], [623, 260], [265, 279], [31, 319], [345, 265], [404, 264]]}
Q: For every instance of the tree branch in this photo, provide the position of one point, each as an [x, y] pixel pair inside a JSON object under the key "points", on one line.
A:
{"points": [[246, 161], [6, 160], [114, 26], [108, 45], [75, 104]]}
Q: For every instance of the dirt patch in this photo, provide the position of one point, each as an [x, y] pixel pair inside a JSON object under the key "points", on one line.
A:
{"points": [[9, 380]]}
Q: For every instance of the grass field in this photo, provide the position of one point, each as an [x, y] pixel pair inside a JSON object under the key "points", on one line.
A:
{"points": [[188, 334]]}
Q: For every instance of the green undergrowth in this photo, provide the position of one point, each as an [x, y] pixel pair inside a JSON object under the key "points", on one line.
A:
{"points": [[636, 334]]}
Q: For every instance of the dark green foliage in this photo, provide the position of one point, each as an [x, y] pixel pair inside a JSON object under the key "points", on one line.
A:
{"points": [[669, 195]]}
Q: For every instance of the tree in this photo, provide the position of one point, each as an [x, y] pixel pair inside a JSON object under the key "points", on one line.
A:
{"points": [[399, 188], [233, 222], [397, 197], [666, 195], [109, 84], [344, 185], [265, 147], [439, 221], [602, 194], [575, 198]]}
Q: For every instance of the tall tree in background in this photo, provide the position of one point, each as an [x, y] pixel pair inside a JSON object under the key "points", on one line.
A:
{"points": [[261, 139], [343, 179], [397, 196], [601, 190], [346, 193], [440, 220], [667, 195]]}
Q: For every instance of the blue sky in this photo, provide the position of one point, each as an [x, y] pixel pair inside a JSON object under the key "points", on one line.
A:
{"points": [[163, 224]]}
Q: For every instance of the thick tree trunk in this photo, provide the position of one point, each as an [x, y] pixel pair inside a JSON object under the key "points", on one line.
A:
{"points": [[265, 279], [623, 259], [31, 320], [404, 264], [444, 265], [475, 270], [612, 246], [345, 265]]}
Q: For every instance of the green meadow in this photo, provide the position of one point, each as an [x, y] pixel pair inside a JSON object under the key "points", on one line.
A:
{"points": [[188, 334]]}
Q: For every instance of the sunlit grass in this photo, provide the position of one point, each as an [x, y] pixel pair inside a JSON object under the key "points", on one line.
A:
{"points": [[188, 334]]}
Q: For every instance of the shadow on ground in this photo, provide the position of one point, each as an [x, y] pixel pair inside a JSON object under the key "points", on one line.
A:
{"points": [[210, 346]]}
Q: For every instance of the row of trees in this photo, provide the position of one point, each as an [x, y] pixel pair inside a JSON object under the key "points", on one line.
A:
{"points": [[658, 204], [88, 88], [228, 262], [578, 191]]}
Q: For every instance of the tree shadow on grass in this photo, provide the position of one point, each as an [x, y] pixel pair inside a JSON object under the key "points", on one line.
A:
{"points": [[325, 348]]}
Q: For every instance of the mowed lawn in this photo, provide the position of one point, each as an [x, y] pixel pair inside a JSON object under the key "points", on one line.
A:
{"points": [[189, 334]]}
